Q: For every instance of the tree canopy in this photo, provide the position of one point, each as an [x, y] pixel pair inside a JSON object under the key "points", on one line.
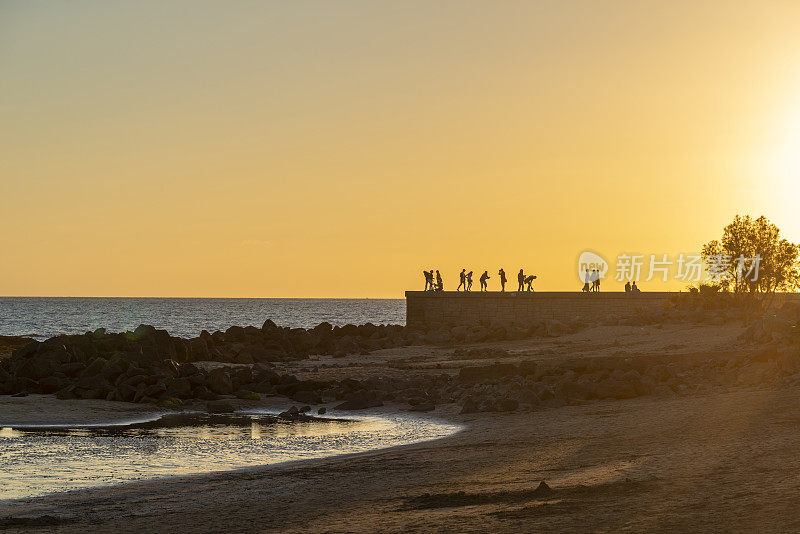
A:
{"points": [[753, 257]]}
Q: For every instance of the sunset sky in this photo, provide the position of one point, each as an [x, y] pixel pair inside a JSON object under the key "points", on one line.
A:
{"points": [[335, 149]]}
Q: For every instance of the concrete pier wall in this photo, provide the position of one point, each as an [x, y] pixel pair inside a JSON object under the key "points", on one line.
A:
{"points": [[459, 308]]}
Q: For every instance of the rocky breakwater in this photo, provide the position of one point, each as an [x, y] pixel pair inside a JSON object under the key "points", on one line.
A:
{"points": [[148, 365]]}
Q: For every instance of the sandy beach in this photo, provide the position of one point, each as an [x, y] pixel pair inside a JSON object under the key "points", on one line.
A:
{"points": [[710, 459]]}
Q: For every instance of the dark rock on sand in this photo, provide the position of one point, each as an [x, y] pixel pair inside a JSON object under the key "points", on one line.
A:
{"points": [[220, 406]]}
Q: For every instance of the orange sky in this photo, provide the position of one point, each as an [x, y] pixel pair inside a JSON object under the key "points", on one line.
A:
{"points": [[299, 149]]}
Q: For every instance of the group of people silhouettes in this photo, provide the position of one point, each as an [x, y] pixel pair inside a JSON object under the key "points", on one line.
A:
{"points": [[592, 281], [631, 288], [434, 283]]}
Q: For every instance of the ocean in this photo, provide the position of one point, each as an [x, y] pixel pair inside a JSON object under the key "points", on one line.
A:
{"points": [[44, 317]]}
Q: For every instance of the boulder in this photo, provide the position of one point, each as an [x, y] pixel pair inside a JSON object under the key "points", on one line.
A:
{"points": [[496, 371], [113, 368], [423, 407], [306, 397], [94, 368], [180, 388], [470, 405], [219, 406], [360, 400], [507, 405], [52, 384], [219, 381]]}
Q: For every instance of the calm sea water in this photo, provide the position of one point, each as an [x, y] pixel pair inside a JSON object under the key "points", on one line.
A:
{"points": [[50, 316], [42, 461]]}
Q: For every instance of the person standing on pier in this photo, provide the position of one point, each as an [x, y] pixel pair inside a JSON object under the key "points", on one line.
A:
{"points": [[462, 280], [521, 280], [439, 284], [586, 283], [469, 281], [502, 274], [484, 277], [428, 280]]}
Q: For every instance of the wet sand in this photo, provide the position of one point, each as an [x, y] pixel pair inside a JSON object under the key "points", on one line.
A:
{"points": [[716, 460]]}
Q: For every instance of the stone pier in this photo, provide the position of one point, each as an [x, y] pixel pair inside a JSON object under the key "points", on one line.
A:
{"points": [[424, 308], [458, 308]]}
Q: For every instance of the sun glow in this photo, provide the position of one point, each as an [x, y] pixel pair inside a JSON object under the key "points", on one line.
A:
{"points": [[778, 173]]}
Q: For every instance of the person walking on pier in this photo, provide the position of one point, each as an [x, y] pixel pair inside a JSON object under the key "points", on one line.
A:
{"points": [[597, 280], [462, 280], [586, 282], [469, 281], [593, 281], [484, 277], [521, 280], [428, 280], [439, 284], [502, 274]]}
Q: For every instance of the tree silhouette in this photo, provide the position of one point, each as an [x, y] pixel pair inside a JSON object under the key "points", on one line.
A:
{"points": [[732, 261]]}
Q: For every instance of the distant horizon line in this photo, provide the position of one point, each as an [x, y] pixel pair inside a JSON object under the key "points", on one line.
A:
{"points": [[183, 297], [402, 297]]}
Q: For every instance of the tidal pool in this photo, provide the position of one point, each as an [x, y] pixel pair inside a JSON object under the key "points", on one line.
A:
{"points": [[36, 461]]}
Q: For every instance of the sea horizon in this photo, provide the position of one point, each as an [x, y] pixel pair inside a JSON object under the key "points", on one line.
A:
{"points": [[42, 317]]}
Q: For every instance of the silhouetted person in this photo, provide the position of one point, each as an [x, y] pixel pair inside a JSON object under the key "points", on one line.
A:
{"points": [[484, 277], [428, 280], [529, 281], [628, 286], [462, 280], [502, 274], [469, 281], [593, 279], [439, 284], [586, 282], [521, 280], [597, 280], [634, 288]]}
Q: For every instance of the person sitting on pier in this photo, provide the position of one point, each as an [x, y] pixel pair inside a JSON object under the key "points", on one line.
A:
{"points": [[628, 286], [635, 288], [428, 280], [521, 280], [469, 281], [462, 278], [484, 277], [502, 274], [529, 281], [439, 284]]}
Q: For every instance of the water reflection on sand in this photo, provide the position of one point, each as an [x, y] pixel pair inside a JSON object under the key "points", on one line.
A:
{"points": [[36, 461]]}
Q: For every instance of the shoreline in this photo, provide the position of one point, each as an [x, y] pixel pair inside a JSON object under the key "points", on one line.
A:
{"points": [[400, 421], [405, 481]]}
